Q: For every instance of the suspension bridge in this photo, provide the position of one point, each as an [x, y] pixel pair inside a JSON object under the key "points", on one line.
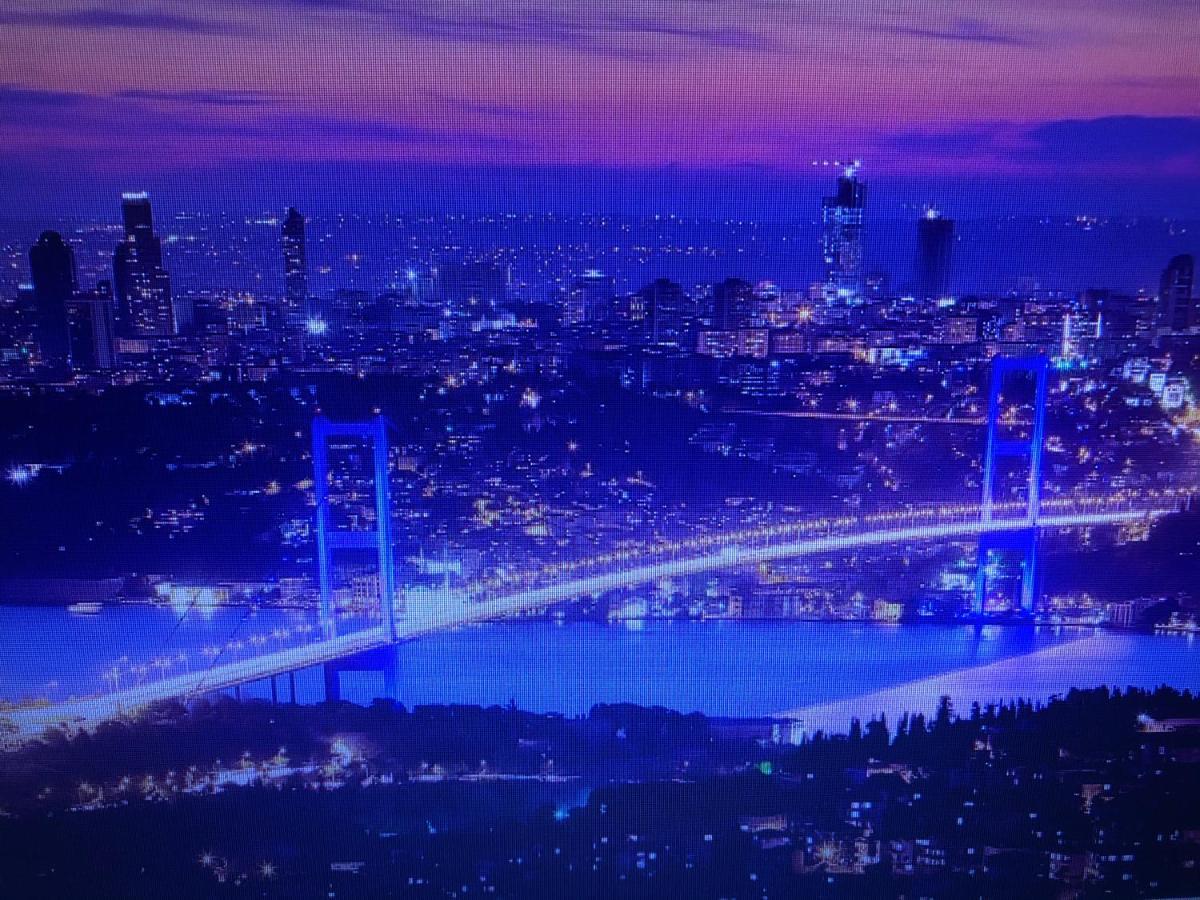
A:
{"points": [[995, 526]]}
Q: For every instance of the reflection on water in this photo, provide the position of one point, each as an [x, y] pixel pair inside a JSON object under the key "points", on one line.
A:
{"points": [[821, 671]]}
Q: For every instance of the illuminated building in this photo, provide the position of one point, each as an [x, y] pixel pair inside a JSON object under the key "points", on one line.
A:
{"points": [[957, 330], [752, 342], [1080, 337], [842, 239], [141, 284], [93, 329], [52, 265], [733, 304], [1177, 306], [295, 268], [935, 241], [470, 283], [590, 298], [666, 310]]}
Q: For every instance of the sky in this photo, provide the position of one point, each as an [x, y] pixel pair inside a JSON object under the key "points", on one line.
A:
{"points": [[710, 104]]}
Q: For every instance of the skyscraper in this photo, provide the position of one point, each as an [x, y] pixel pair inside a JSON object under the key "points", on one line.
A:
{"points": [[733, 304], [142, 285], [18, 331], [590, 298], [295, 268], [842, 238], [1178, 309], [473, 283], [52, 265], [935, 243], [666, 307], [92, 329]]}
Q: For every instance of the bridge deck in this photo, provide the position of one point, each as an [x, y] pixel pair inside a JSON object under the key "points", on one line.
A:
{"points": [[457, 610]]}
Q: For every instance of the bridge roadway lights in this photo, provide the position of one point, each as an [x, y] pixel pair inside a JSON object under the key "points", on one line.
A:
{"points": [[1022, 540], [384, 660], [90, 710]]}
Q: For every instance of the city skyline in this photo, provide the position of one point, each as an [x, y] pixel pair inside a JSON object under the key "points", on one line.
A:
{"points": [[70, 324], [668, 448]]}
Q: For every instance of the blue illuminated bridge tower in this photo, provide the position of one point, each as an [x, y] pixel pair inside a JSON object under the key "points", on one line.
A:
{"points": [[379, 539], [1013, 534], [1028, 447]]}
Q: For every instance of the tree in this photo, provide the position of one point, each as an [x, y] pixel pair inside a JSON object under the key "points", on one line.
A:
{"points": [[877, 738], [945, 712]]}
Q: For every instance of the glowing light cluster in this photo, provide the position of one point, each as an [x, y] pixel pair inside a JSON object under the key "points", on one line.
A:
{"points": [[21, 475]]}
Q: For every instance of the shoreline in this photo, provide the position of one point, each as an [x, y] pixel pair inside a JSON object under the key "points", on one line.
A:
{"points": [[1038, 676], [1013, 623]]}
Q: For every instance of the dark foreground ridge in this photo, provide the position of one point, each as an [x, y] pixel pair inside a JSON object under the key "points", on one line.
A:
{"points": [[1093, 794]]}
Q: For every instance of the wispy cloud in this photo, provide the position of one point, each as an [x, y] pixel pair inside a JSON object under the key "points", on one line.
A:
{"points": [[1138, 140], [102, 18], [14, 96], [206, 97], [570, 24], [966, 31], [145, 124], [482, 107], [714, 34], [609, 29], [1132, 145]]}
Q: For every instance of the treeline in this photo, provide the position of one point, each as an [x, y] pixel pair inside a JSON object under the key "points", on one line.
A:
{"points": [[1094, 722], [612, 742]]}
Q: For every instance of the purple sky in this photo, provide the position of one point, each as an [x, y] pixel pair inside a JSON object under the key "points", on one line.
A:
{"points": [[1106, 91]]}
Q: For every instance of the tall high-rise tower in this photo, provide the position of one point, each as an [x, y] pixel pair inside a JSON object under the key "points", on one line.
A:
{"points": [[1178, 306], [141, 284], [935, 242], [93, 331], [295, 267], [842, 238], [733, 304], [666, 307], [590, 298], [52, 265]]}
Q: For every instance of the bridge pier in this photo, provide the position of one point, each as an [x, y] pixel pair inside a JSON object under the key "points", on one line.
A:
{"points": [[384, 661], [291, 687], [1024, 542]]}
